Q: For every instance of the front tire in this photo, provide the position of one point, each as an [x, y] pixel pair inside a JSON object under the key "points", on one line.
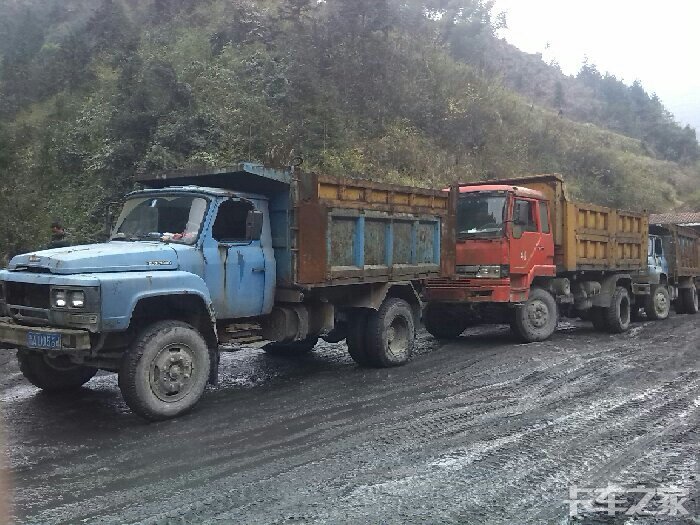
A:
{"points": [[391, 333], [658, 303], [53, 374], [165, 373], [536, 320]]}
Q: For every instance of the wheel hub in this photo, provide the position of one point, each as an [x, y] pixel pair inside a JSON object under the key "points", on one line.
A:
{"points": [[171, 373], [397, 338], [537, 313], [660, 303]]}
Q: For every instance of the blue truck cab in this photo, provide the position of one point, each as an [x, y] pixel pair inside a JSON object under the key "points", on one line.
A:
{"points": [[240, 254], [657, 264]]}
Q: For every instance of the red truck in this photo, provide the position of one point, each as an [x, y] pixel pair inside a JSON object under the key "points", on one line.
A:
{"points": [[526, 254]]}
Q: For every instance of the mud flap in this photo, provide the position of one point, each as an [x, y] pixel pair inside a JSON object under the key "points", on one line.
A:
{"points": [[214, 357]]}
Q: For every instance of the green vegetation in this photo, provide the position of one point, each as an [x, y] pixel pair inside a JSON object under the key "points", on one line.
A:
{"points": [[403, 91]]}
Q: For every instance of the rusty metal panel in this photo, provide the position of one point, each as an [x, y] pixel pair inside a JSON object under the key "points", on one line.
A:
{"points": [[352, 230], [683, 251], [311, 247]]}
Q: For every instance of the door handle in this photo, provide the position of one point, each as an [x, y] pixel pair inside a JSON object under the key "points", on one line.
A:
{"points": [[258, 270], [540, 248]]}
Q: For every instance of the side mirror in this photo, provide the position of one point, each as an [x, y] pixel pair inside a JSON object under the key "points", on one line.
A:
{"points": [[253, 225]]}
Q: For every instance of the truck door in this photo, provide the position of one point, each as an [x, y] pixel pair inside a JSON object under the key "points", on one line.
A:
{"points": [[235, 264], [526, 244]]}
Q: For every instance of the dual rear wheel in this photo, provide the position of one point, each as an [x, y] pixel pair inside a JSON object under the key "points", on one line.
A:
{"points": [[687, 302], [382, 338]]}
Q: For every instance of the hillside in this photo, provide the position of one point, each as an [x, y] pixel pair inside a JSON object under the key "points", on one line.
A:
{"points": [[417, 92]]}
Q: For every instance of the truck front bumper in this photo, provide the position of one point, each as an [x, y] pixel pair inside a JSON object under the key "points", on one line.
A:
{"points": [[469, 290], [13, 335]]}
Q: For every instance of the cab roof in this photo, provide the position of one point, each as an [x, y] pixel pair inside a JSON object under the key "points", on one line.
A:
{"points": [[519, 191], [202, 190]]}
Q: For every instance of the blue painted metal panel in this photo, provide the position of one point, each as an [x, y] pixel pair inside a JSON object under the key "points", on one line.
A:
{"points": [[122, 291]]}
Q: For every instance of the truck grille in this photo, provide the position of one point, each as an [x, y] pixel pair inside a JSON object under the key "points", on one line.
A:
{"points": [[29, 295]]}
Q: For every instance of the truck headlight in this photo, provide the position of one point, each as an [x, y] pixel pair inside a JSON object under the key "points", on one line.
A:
{"points": [[59, 299], [73, 299], [489, 271], [77, 299]]}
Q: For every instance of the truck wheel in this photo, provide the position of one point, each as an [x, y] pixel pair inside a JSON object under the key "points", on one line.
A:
{"points": [[536, 320], [53, 374], [357, 338], [443, 322], [658, 303], [164, 374], [295, 348], [598, 318], [391, 333], [689, 300], [618, 315]]}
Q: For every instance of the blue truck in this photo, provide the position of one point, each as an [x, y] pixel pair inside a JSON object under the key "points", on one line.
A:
{"points": [[673, 269], [247, 254]]}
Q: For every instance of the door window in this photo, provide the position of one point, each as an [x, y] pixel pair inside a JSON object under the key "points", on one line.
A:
{"points": [[230, 224], [544, 217], [523, 217]]}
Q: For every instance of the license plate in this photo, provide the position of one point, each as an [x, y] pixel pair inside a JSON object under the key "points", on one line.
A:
{"points": [[43, 340]]}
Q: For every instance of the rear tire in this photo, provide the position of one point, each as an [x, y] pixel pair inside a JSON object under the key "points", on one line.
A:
{"points": [[294, 348], [598, 319], [536, 320], [165, 372], [689, 300], [658, 303], [391, 333], [357, 338], [443, 322], [53, 374], [619, 315]]}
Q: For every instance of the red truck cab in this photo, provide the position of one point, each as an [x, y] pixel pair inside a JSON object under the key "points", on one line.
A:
{"points": [[504, 242], [504, 245]]}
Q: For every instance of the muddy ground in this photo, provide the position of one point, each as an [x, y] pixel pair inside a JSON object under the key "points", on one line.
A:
{"points": [[481, 430]]}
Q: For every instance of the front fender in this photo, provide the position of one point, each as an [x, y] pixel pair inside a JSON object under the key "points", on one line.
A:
{"points": [[122, 291]]}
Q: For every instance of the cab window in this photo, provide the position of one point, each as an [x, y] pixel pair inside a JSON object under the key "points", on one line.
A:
{"points": [[544, 217], [230, 224]]}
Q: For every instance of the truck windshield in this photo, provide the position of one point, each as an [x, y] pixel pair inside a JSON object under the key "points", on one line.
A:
{"points": [[480, 214], [169, 218]]}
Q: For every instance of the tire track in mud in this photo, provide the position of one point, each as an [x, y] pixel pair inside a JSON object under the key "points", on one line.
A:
{"points": [[477, 431]]}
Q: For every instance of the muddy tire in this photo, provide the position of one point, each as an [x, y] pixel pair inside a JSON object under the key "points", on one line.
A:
{"points": [[295, 348], [619, 315], [391, 334], [658, 304], [688, 299], [599, 319], [53, 374], [443, 323], [357, 339], [165, 372], [536, 320]]}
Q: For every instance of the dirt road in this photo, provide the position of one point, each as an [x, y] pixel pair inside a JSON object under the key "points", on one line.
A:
{"points": [[481, 430]]}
